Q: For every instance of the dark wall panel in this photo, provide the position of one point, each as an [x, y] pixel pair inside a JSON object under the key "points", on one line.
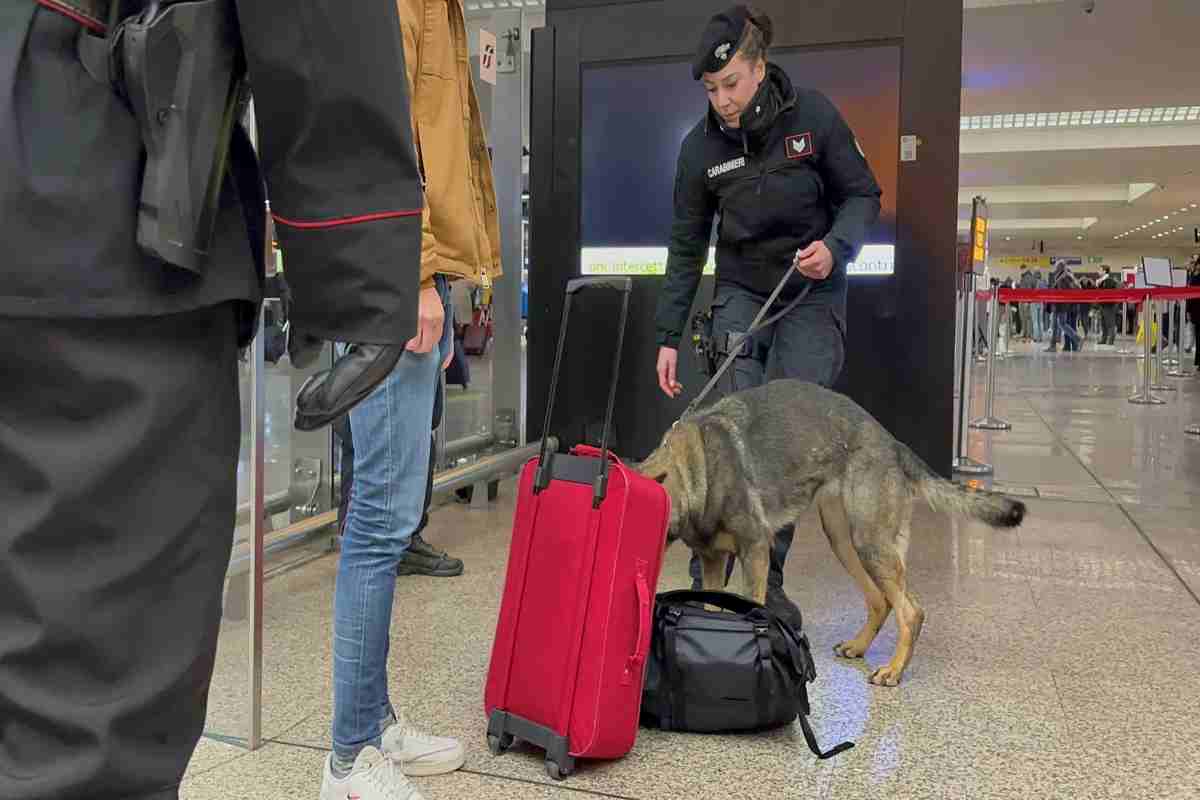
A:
{"points": [[900, 329], [930, 107]]}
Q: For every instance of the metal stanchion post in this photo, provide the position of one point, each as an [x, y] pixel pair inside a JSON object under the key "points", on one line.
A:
{"points": [[1180, 368], [1168, 358], [988, 422], [1146, 397], [1123, 327], [1160, 365], [958, 326], [255, 576], [962, 462], [980, 356], [1003, 332]]}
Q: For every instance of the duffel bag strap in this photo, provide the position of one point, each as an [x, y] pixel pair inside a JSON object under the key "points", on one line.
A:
{"points": [[676, 707], [671, 706], [764, 664], [766, 688], [811, 737]]}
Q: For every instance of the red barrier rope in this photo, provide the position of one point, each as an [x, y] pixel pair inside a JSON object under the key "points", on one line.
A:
{"points": [[1091, 295]]}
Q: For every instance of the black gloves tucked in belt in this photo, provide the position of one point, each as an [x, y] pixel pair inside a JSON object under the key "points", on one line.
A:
{"points": [[331, 393]]}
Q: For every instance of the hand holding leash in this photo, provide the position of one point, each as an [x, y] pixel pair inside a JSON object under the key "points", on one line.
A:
{"points": [[814, 261]]}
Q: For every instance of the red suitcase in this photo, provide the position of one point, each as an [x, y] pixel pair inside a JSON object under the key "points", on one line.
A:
{"points": [[569, 656]]}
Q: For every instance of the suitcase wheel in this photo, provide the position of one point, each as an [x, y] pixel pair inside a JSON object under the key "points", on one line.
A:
{"points": [[499, 744], [557, 772]]}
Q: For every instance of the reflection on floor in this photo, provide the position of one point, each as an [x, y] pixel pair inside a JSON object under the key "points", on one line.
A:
{"points": [[1058, 660]]}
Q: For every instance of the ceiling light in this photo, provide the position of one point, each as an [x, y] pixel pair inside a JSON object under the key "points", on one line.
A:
{"points": [[1079, 238], [1054, 119]]}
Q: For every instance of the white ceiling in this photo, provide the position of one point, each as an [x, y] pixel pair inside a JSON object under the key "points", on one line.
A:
{"points": [[1023, 57], [1052, 185]]}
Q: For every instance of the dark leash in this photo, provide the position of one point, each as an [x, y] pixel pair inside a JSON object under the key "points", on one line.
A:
{"points": [[735, 344]]}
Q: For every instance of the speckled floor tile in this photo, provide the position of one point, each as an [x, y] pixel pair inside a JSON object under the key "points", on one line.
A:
{"points": [[272, 772], [1135, 729], [211, 754], [1176, 534], [1057, 660], [279, 771]]}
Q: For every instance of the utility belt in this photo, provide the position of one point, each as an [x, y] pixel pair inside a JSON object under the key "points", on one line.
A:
{"points": [[710, 348], [180, 68], [736, 343]]}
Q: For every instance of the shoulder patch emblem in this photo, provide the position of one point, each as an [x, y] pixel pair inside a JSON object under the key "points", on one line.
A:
{"points": [[799, 146]]}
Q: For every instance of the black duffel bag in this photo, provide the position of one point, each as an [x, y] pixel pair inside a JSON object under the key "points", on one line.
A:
{"points": [[739, 669]]}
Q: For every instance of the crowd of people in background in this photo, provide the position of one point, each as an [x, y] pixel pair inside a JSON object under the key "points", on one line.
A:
{"points": [[1073, 324]]}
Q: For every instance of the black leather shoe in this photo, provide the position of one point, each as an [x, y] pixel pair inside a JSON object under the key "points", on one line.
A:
{"points": [[423, 558], [333, 392]]}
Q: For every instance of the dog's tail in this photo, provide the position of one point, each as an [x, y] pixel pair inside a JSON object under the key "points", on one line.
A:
{"points": [[993, 509]]}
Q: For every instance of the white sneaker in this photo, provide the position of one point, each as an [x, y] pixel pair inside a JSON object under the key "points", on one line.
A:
{"points": [[374, 777], [420, 754]]}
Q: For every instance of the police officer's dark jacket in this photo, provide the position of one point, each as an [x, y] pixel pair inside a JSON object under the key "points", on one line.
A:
{"points": [[335, 137], [791, 175]]}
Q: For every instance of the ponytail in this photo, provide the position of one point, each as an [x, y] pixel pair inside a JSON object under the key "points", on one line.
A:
{"points": [[756, 41]]}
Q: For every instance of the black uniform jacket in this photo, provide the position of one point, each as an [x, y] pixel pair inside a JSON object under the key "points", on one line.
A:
{"points": [[801, 179], [331, 100]]}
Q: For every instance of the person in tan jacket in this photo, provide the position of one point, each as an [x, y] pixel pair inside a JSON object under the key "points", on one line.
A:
{"points": [[374, 747]]}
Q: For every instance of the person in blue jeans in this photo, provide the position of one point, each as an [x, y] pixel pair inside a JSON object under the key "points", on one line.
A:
{"points": [[390, 431], [375, 749]]}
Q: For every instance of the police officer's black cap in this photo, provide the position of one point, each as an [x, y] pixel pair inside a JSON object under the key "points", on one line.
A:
{"points": [[719, 43]]}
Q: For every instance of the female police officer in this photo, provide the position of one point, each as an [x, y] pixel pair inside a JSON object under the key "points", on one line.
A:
{"points": [[793, 190]]}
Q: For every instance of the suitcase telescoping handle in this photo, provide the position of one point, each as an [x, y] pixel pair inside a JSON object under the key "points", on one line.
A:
{"points": [[625, 287]]}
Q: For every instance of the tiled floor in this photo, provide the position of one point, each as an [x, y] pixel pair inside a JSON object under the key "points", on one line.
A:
{"points": [[1058, 660]]}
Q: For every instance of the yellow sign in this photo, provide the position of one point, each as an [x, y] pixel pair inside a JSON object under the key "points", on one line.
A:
{"points": [[1016, 262], [979, 252]]}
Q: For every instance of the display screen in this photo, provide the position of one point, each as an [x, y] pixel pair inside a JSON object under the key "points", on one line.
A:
{"points": [[636, 115], [1157, 271]]}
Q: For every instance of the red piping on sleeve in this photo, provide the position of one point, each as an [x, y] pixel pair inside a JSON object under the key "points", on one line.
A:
{"points": [[339, 221], [75, 14]]}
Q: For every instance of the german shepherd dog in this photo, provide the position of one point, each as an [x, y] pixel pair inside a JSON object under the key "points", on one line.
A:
{"points": [[758, 459]]}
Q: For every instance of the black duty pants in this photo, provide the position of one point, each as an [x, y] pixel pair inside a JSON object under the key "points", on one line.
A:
{"points": [[118, 484], [808, 344]]}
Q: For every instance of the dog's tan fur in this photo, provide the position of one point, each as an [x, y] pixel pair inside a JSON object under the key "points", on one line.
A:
{"points": [[757, 460]]}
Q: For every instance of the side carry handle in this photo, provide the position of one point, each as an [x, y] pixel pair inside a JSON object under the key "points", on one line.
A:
{"points": [[637, 661]]}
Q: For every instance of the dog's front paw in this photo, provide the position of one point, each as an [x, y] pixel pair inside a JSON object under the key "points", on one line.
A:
{"points": [[886, 676], [851, 649]]}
